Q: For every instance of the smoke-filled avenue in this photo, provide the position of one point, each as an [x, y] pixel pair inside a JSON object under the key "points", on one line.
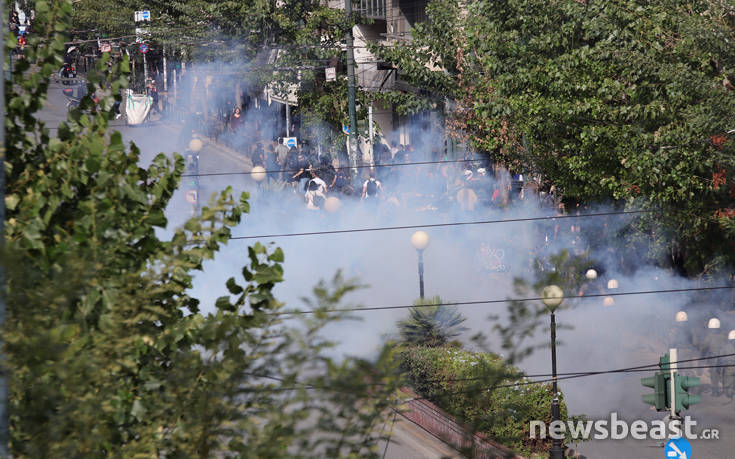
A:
{"points": [[525, 213]]}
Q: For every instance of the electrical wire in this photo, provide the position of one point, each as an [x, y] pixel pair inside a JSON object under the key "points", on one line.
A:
{"points": [[496, 301], [438, 225], [560, 376], [364, 166]]}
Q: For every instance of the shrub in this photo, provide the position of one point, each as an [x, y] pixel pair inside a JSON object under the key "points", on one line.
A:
{"points": [[482, 392]]}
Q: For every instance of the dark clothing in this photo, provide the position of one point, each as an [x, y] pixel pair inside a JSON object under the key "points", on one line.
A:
{"points": [[327, 173], [272, 166], [235, 123], [343, 179]]}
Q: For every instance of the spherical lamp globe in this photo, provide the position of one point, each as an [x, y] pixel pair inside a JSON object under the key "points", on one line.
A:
{"points": [[552, 296], [195, 145], [420, 240], [681, 316], [714, 323], [258, 173], [591, 274]]}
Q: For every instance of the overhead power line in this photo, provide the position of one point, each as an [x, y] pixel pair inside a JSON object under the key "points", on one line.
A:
{"points": [[440, 225], [365, 166], [560, 376], [495, 301]]}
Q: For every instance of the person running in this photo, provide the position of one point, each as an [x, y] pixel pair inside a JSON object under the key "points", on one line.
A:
{"points": [[372, 188]]}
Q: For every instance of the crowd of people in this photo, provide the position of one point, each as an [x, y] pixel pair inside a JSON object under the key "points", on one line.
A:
{"points": [[408, 177], [400, 177], [20, 25]]}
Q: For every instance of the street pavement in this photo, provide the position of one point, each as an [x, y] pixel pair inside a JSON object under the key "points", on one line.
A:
{"points": [[410, 441], [151, 137]]}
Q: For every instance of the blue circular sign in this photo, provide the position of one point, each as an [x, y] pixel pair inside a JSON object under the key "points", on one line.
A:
{"points": [[678, 448], [291, 143], [143, 48]]}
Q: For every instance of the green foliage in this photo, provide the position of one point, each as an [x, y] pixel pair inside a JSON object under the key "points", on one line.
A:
{"points": [[483, 392], [430, 61], [109, 354], [624, 101], [431, 326]]}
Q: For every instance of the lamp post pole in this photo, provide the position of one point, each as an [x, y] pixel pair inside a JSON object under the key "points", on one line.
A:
{"points": [[421, 274], [557, 452], [419, 241], [552, 296]]}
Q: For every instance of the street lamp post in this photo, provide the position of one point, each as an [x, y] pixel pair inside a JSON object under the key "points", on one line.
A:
{"points": [[552, 296], [420, 240]]}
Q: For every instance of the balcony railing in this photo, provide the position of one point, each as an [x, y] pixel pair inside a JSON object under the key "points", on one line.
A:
{"points": [[373, 9]]}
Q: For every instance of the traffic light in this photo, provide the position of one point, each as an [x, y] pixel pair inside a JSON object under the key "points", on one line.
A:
{"points": [[192, 170], [659, 383], [682, 384]]}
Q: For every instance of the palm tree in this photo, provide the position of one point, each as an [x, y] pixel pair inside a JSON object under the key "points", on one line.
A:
{"points": [[430, 324]]}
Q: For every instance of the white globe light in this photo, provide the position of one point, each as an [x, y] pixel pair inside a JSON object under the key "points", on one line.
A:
{"points": [[731, 335], [195, 145], [612, 284], [713, 323], [420, 240], [552, 296], [258, 173], [682, 316], [591, 274], [332, 204], [608, 301]]}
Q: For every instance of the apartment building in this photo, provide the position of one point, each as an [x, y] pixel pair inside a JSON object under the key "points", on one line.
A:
{"points": [[391, 22]]}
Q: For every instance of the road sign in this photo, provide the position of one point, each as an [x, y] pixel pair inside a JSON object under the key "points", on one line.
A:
{"points": [[192, 196], [105, 47], [678, 448], [143, 48], [290, 142], [141, 16], [330, 73], [346, 129]]}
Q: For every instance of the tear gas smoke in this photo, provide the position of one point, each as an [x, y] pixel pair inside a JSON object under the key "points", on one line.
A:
{"points": [[463, 263]]}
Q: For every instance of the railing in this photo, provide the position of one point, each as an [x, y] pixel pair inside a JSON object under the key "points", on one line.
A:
{"points": [[435, 421], [373, 9]]}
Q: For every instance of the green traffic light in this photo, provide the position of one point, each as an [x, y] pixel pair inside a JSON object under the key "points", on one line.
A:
{"points": [[682, 384], [658, 398]]}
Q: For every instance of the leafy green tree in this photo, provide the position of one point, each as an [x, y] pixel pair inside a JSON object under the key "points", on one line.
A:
{"points": [[109, 354], [431, 325], [626, 102]]}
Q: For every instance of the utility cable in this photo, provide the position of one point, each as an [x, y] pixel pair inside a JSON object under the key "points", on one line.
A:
{"points": [[317, 168], [439, 225], [560, 376], [638, 368], [495, 301]]}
